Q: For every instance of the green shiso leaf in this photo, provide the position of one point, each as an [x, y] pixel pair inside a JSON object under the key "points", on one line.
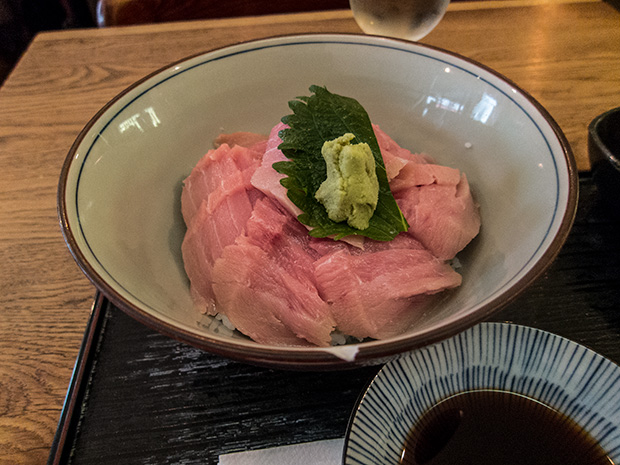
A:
{"points": [[318, 118]]}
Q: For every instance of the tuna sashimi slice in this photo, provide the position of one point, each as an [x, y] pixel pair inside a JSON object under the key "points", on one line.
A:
{"points": [[394, 156], [198, 262], [265, 285], [436, 200], [219, 172], [236, 179], [244, 139], [414, 174], [253, 309], [380, 294], [216, 207], [442, 215], [266, 179], [207, 236]]}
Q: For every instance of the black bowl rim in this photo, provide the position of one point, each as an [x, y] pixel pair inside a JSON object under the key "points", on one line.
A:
{"points": [[595, 138], [311, 358]]}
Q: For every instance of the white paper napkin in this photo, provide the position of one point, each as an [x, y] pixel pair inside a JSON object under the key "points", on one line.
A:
{"points": [[328, 452]]}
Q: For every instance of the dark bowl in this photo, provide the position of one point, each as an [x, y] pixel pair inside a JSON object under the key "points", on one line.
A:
{"points": [[604, 152]]}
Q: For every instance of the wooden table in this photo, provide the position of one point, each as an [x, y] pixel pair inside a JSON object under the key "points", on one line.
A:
{"points": [[565, 53]]}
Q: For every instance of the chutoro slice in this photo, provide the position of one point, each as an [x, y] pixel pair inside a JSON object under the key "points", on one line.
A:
{"points": [[265, 285], [378, 294]]}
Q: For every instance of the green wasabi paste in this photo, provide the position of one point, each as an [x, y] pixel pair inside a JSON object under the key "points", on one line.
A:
{"points": [[351, 190]]}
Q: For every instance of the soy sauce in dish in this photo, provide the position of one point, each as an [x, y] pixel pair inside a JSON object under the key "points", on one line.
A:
{"points": [[497, 427]]}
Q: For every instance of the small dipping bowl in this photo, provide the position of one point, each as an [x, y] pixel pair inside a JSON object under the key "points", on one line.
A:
{"points": [[604, 152], [571, 379]]}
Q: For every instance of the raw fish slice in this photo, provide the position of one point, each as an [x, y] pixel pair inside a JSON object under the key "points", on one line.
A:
{"points": [[267, 180], [219, 171], [250, 296], [402, 241], [218, 180], [277, 231], [267, 276], [198, 262], [207, 236], [329, 246], [443, 217], [203, 180], [247, 307], [372, 294], [233, 179], [244, 139], [394, 156], [414, 174], [228, 221], [435, 199], [219, 188], [197, 186], [248, 159], [251, 160]]}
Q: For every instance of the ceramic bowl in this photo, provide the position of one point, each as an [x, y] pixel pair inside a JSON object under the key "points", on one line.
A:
{"points": [[119, 192], [565, 376], [604, 152]]}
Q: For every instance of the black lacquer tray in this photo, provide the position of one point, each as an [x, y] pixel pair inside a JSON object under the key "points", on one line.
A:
{"points": [[138, 397]]}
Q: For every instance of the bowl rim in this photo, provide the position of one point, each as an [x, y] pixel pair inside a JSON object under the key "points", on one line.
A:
{"points": [[595, 138], [317, 358]]}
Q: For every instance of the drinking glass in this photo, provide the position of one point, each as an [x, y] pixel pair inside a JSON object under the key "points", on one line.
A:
{"points": [[405, 19]]}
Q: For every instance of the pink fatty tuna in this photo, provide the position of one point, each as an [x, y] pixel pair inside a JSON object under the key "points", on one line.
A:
{"points": [[216, 203], [265, 282], [248, 257]]}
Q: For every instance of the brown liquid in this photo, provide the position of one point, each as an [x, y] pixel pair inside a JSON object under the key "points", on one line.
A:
{"points": [[497, 427]]}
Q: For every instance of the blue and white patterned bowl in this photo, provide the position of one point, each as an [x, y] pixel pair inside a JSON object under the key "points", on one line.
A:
{"points": [[562, 374]]}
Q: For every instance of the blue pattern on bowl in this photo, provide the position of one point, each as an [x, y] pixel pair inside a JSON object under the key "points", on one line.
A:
{"points": [[566, 376]]}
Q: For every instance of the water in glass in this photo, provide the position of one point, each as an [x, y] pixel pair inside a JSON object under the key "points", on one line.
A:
{"points": [[405, 19]]}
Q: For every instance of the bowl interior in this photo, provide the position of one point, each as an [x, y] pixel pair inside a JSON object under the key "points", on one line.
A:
{"points": [[560, 373], [121, 185]]}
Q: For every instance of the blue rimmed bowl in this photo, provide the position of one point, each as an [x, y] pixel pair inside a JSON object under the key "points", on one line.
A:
{"points": [[119, 190], [562, 374]]}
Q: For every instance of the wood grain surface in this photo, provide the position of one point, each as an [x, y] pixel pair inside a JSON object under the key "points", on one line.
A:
{"points": [[566, 54]]}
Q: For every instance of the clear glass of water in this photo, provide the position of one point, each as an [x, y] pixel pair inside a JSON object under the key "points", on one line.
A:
{"points": [[405, 19]]}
